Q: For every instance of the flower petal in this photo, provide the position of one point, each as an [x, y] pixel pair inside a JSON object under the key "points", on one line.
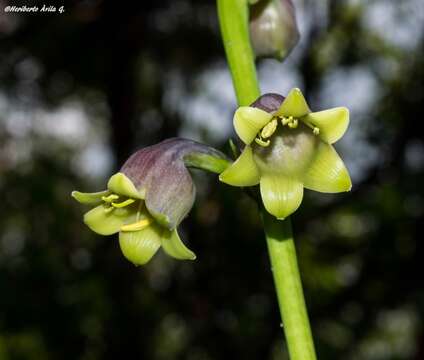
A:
{"points": [[106, 222], [243, 172], [174, 247], [122, 185], [248, 121], [140, 246], [327, 172], [90, 198], [294, 105], [281, 195], [332, 123]]}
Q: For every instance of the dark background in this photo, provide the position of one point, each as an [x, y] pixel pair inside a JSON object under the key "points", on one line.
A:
{"points": [[79, 91]]}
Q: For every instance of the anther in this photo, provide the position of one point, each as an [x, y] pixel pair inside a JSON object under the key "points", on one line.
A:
{"points": [[262, 142], [316, 131], [137, 226], [285, 120], [269, 129], [108, 209], [123, 204], [293, 123], [110, 198]]}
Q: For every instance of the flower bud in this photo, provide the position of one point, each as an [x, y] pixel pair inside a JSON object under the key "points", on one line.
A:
{"points": [[273, 28]]}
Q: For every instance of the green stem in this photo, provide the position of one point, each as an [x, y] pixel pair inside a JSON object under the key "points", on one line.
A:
{"points": [[233, 17], [288, 285]]}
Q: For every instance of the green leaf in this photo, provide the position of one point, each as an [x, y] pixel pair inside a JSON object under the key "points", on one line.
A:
{"points": [[332, 123], [140, 246], [248, 121], [243, 172], [174, 247], [281, 195], [90, 198], [105, 222], [294, 105], [121, 185], [327, 172]]}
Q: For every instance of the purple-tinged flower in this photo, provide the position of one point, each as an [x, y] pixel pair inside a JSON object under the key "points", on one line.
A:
{"points": [[149, 197]]}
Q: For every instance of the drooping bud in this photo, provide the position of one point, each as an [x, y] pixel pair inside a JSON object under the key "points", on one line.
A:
{"points": [[273, 28]]}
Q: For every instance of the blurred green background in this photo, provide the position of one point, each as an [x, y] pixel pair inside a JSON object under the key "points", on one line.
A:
{"points": [[80, 91]]}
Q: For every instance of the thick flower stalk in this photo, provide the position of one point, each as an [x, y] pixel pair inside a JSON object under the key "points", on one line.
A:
{"points": [[149, 197], [288, 148]]}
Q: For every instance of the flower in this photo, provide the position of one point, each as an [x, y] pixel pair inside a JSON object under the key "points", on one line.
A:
{"points": [[149, 197], [273, 28], [288, 148]]}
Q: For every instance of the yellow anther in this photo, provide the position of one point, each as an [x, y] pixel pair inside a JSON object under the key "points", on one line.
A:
{"points": [[123, 204], [262, 143], [316, 131], [108, 209], [137, 226], [293, 123], [269, 129], [285, 120], [110, 198]]}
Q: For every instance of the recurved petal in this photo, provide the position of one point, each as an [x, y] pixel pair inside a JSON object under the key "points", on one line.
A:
{"points": [[106, 222], [243, 172], [248, 121], [140, 246], [281, 195], [173, 246], [89, 198], [294, 105], [122, 185], [327, 172], [332, 123]]}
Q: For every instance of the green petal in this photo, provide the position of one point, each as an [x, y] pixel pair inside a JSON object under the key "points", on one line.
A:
{"points": [[294, 105], [332, 123], [281, 195], [140, 246], [121, 185], [243, 172], [109, 222], [327, 172], [89, 198], [248, 121], [174, 247]]}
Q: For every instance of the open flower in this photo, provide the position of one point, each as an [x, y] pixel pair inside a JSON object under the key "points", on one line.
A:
{"points": [[149, 197], [288, 147]]}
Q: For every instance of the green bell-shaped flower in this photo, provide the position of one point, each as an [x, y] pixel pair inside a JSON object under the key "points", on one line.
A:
{"points": [[288, 148], [149, 197]]}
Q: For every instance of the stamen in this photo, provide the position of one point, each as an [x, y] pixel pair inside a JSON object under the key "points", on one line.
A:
{"points": [[293, 124], [285, 120], [269, 129], [261, 142], [316, 131], [123, 204], [108, 209], [110, 198], [137, 226]]}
